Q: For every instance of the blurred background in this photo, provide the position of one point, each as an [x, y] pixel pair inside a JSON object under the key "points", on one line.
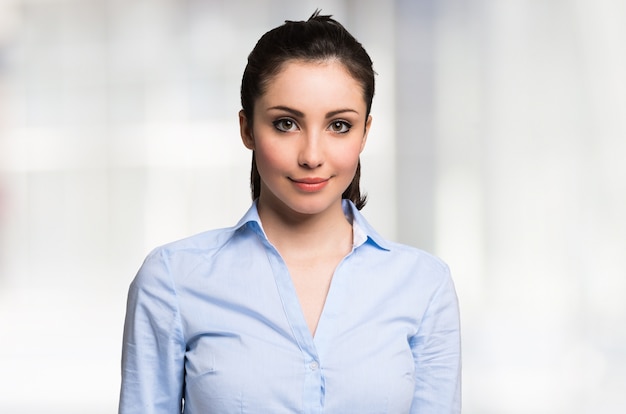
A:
{"points": [[498, 143]]}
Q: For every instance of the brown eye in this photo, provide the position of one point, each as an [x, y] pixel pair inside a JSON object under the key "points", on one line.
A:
{"points": [[284, 125], [340, 127]]}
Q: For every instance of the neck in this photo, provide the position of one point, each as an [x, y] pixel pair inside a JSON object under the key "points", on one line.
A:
{"points": [[307, 234]]}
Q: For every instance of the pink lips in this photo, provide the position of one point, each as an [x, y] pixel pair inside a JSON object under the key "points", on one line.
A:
{"points": [[310, 185]]}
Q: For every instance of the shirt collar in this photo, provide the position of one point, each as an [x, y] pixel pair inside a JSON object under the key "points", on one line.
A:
{"points": [[251, 219], [363, 232]]}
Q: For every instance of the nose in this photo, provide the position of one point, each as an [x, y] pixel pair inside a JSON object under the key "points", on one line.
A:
{"points": [[311, 152]]}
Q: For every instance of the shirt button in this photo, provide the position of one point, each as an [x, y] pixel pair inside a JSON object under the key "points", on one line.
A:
{"points": [[313, 365]]}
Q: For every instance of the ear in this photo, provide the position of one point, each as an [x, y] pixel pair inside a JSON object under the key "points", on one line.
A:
{"points": [[368, 124], [246, 131]]}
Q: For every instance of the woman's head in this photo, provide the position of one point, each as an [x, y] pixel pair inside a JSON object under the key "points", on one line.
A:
{"points": [[318, 39]]}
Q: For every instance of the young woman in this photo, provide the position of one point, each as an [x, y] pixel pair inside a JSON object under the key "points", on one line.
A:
{"points": [[301, 307]]}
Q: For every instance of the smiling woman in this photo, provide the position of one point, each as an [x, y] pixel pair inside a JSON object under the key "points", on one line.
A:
{"points": [[302, 307], [304, 140]]}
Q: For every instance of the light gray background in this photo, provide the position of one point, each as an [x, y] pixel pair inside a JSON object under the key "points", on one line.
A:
{"points": [[498, 143]]}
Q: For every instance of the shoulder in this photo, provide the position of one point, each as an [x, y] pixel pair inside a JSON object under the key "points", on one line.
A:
{"points": [[407, 266], [417, 257], [182, 257], [208, 242], [174, 261], [402, 258], [201, 245], [424, 281]]}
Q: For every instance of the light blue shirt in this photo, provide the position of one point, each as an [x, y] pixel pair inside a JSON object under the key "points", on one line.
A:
{"points": [[214, 321]]}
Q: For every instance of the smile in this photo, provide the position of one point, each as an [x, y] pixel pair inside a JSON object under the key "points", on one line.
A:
{"points": [[310, 185]]}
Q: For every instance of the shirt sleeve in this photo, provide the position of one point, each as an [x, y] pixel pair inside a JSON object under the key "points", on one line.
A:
{"points": [[153, 349], [436, 351]]}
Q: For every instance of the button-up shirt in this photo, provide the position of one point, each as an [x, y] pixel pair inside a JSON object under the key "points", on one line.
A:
{"points": [[214, 325]]}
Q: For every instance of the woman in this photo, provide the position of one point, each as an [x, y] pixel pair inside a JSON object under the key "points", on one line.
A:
{"points": [[301, 307]]}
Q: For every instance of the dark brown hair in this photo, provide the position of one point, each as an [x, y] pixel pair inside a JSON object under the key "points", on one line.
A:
{"points": [[319, 38]]}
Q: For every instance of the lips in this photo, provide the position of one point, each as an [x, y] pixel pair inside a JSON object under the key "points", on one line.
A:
{"points": [[310, 184]]}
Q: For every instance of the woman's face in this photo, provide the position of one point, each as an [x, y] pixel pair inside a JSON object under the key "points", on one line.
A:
{"points": [[309, 128]]}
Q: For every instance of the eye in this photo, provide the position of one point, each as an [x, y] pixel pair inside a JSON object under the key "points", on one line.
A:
{"points": [[340, 127], [285, 125]]}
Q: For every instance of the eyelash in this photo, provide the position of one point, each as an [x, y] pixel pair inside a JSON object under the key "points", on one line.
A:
{"points": [[342, 124], [277, 124]]}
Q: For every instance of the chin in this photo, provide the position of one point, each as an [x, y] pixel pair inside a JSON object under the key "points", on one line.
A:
{"points": [[289, 202], [309, 208], [311, 205]]}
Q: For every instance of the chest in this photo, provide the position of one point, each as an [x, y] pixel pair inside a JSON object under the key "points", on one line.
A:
{"points": [[312, 280], [254, 367], [248, 349]]}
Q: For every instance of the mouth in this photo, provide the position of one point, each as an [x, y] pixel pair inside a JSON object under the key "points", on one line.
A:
{"points": [[310, 184]]}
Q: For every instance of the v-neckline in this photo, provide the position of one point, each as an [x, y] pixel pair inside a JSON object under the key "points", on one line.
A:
{"points": [[294, 313]]}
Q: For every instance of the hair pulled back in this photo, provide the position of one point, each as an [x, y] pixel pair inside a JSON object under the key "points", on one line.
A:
{"points": [[319, 38]]}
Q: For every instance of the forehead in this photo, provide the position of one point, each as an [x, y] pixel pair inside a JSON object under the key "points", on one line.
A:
{"points": [[324, 81]]}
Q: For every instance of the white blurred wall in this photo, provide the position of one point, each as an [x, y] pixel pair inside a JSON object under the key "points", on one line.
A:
{"points": [[498, 143]]}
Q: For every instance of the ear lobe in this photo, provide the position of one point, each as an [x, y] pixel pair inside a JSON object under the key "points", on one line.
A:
{"points": [[246, 131]]}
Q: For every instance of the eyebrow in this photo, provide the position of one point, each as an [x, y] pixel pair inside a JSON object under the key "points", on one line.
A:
{"points": [[299, 114]]}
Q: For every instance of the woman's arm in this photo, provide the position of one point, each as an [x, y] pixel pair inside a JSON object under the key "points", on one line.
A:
{"points": [[437, 354], [154, 348]]}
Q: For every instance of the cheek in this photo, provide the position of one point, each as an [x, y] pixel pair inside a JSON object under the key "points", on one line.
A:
{"points": [[269, 157], [347, 157]]}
